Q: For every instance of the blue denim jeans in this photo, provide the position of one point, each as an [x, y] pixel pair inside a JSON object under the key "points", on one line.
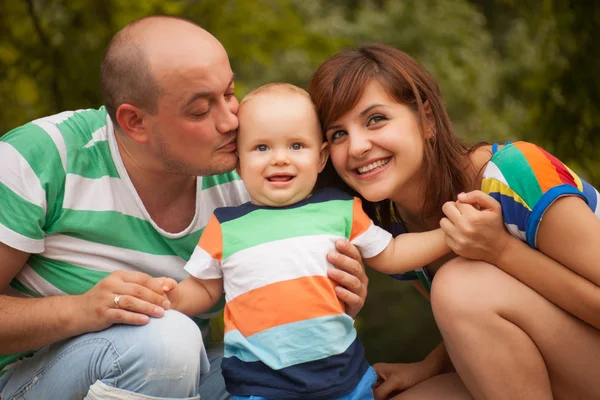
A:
{"points": [[163, 359]]}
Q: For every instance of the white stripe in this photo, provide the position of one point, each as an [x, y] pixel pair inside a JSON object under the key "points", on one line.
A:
{"points": [[372, 241], [20, 242], [230, 194], [597, 210], [203, 266], [101, 135], [57, 118], [31, 279], [57, 137], [277, 261], [492, 171], [101, 194], [19, 177], [101, 257], [514, 230]]}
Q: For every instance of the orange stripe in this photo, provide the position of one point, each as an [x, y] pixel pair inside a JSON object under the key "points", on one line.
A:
{"points": [[282, 303], [542, 168], [360, 220], [212, 239]]}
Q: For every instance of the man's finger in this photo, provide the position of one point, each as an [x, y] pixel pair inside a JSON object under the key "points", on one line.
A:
{"points": [[133, 304], [483, 200], [142, 293], [348, 249], [119, 316], [142, 279]]}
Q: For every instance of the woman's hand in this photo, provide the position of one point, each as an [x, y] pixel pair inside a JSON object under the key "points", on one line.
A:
{"points": [[395, 378], [474, 227], [350, 275]]}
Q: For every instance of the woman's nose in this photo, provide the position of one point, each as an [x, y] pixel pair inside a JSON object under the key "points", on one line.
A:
{"points": [[359, 145]]}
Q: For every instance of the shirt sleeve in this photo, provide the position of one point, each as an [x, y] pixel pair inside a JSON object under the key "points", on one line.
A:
{"points": [[527, 180], [32, 175], [205, 262], [369, 238]]}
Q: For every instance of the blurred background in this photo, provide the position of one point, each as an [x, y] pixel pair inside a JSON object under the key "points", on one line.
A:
{"points": [[508, 69]]}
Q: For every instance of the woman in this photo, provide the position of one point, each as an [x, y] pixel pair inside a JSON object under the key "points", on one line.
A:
{"points": [[518, 311]]}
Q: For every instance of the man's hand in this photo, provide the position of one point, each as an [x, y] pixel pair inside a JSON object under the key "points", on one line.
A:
{"points": [[350, 275], [126, 297]]}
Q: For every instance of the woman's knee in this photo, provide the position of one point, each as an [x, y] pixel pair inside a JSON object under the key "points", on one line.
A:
{"points": [[460, 288]]}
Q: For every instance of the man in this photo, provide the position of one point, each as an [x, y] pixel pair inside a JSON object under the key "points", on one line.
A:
{"points": [[95, 202]]}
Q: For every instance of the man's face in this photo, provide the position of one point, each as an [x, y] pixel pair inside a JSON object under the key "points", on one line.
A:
{"points": [[193, 132]]}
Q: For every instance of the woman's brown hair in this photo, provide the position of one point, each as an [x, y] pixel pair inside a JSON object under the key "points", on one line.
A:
{"points": [[337, 86]]}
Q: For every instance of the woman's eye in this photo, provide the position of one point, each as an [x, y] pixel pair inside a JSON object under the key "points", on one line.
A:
{"points": [[375, 119], [337, 135], [262, 147], [296, 146]]}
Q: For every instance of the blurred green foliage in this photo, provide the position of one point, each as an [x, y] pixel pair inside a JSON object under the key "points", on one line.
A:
{"points": [[509, 70]]}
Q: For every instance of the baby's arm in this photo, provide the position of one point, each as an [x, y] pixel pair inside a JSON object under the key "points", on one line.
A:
{"points": [[193, 296], [410, 251]]}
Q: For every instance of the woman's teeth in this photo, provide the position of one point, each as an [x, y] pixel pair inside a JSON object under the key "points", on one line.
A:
{"points": [[372, 166]]}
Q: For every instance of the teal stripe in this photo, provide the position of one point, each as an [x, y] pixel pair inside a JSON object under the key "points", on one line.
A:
{"points": [[263, 226], [37, 147], [69, 278], [92, 162], [77, 130], [21, 216], [21, 288], [518, 174], [114, 229], [287, 345], [215, 180]]}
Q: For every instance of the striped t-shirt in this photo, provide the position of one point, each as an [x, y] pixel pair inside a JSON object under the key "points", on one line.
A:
{"points": [[286, 333], [68, 200], [525, 179]]}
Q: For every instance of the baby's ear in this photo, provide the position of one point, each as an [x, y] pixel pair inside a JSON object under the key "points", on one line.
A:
{"points": [[323, 156]]}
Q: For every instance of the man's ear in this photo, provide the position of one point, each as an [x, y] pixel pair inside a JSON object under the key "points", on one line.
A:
{"points": [[323, 156], [430, 129], [131, 121]]}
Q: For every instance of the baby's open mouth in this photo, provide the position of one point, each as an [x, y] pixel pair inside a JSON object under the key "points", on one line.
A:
{"points": [[280, 178]]}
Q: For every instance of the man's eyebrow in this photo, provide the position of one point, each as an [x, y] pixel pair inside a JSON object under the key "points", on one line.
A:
{"points": [[204, 94], [362, 114]]}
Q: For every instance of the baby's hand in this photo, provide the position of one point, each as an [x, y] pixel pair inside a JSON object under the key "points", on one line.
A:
{"points": [[167, 284]]}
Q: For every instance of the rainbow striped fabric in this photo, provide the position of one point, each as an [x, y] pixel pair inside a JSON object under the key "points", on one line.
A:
{"points": [[286, 333], [526, 180]]}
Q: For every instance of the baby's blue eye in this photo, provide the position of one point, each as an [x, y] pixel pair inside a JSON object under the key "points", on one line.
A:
{"points": [[262, 147], [296, 146]]}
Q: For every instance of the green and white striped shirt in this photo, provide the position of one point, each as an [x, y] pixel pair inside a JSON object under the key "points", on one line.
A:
{"points": [[68, 200]]}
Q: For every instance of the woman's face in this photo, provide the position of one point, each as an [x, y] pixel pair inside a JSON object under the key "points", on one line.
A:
{"points": [[377, 147]]}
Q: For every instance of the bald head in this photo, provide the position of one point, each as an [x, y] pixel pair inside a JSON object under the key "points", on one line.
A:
{"points": [[144, 53]]}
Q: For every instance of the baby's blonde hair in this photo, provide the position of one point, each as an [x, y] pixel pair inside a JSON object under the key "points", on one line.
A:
{"points": [[275, 87]]}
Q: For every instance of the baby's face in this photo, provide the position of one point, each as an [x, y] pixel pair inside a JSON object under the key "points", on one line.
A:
{"points": [[280, 148]]}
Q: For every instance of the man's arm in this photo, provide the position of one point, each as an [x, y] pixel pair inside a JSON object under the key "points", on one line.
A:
{"points": [[30, 323]]}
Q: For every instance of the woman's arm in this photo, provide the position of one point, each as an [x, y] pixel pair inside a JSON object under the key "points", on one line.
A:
{"points": [[565, 270]]}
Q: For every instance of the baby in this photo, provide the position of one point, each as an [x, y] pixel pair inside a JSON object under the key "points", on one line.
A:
{"points": [[286, 333]]}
